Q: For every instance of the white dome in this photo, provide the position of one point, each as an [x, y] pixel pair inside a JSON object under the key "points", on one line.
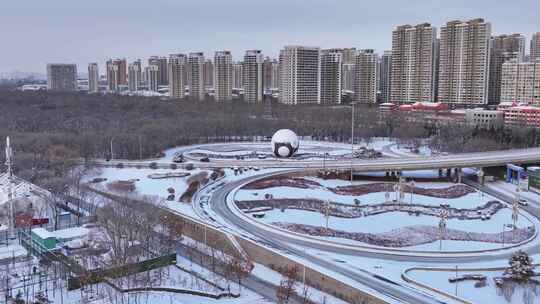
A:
{"points": [[285, 143]]}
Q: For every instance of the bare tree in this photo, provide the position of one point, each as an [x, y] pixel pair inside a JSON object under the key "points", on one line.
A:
{"points": [[287, 285]]}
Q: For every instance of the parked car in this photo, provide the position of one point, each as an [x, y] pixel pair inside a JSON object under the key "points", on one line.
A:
{"points": [[205, 160]]}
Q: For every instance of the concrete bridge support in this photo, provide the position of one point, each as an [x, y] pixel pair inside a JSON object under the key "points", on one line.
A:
{"points": [[481, 177]]}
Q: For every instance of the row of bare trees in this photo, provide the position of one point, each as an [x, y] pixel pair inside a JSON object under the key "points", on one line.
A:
{"points": [[50, 130]]}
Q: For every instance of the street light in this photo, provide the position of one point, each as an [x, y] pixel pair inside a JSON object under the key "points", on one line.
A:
{"points": [[112, 152], [352, 139], [326, 209], [324, 162], [412, 185], [443, 214], [515, 212]]}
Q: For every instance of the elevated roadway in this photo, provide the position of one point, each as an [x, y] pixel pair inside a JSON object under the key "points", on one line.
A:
{"points": [[463, 160]]}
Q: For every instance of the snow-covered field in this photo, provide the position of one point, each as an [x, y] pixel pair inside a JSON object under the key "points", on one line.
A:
{"points": [[471, 200], [145, 185], [468, 201], [389, 221]]}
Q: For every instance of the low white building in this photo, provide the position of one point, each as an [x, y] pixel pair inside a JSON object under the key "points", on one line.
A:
{"points": [[484, 118]]}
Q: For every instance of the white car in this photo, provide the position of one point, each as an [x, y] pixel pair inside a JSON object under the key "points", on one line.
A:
{"points": [[523, 202]]}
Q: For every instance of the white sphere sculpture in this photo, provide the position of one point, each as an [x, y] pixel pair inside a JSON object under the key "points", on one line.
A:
{"points": [[285, 143]]}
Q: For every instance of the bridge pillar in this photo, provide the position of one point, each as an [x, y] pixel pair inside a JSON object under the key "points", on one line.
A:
{"points": [[440, 173], [480, 175], [459, 175]]}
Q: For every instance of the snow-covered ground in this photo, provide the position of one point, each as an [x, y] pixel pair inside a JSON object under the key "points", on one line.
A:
{"points": [[466, 289], [12, 251]]}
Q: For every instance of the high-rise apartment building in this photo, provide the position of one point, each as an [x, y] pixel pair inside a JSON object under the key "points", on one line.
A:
{"points": [[161, 63], [436, 66], [120, 77], [267, 73], [348, 76], [365, 89], [253, 76], [331, 69], [152, 77], [464, 62], [412, 63], [535, 46], [503, 49], [521, 82], [93, 78], [208, 73], [177, 68], [299, 75], [276, 76], [384, 76], [135, 76], [195, 76], [62, 77], [122, 71], [349, 55], [113, 76], [237, 75], [223, 82]]}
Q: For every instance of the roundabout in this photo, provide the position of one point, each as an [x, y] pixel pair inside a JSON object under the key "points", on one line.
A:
{"points": [[236, 216]]}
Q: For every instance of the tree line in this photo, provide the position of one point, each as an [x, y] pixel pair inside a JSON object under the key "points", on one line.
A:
{"points": [[49, 129]]}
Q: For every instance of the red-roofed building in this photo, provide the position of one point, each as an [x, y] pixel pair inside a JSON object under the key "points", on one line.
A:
{"points": [[521, 116]]}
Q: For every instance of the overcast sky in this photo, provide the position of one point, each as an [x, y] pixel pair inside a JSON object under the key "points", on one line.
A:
{"points": [[34, 32]]}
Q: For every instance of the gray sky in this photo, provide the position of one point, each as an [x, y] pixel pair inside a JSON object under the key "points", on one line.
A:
{"points": [[35, 32]]}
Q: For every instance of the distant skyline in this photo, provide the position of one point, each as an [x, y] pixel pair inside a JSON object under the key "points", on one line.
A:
{"points": [[39, 32]]}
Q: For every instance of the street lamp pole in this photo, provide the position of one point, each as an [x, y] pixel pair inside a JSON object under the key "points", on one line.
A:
{"points": [[352, 139], [412, 190], [112, 152], [504, 227], [443, 214]]}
